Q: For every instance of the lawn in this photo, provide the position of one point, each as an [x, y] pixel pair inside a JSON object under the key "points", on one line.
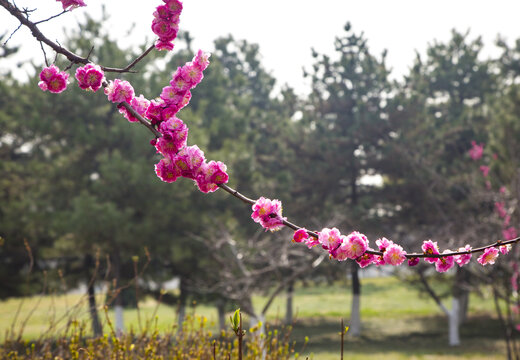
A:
{"points": [[398, 322]]}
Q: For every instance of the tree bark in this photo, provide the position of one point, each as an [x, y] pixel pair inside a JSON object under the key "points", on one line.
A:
{"points": [[289, 304], [355, 312], [181, 313], [118, 301], [91, 294], [221, 309]]}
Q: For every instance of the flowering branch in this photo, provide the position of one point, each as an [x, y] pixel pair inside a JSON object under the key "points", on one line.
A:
{"points": [[180, 160], [72, 57]]}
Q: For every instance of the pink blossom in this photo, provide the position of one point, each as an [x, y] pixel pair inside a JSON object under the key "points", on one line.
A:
{"points": [[178, 82], [119, 91], [509, 233], [445, 263], [365, 260], [71, 3], [488, 184], [463, 259], [300, 235], [174, 135], [311, 242], [383, 243], [188, 160], [499, 207], [354, 245], [485, 170], [210, 175], [201, 59], [502, 190], [476, 151], [430, 248], [139, 104], [394, 255], [413, 261], [90, 77], [164, 29], [268, 213], [166, 170], [489, 256], [153, 112], [164, 45], [504, 249], [507, 220], [175, 6], [48, 72], [192, 74], [53, 80], [330, 239]]}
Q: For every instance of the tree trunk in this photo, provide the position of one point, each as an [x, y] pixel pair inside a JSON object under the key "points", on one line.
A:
{"points": [[462, 292], [221, 310], [91, 294], [355, 312], [454, 316], [181, 313], [118, 301], [289, 304]]}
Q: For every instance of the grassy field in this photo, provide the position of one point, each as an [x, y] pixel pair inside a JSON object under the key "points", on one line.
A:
{"points": [[398, 323]]}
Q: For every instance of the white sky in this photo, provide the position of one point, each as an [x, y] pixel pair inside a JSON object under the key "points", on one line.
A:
{"points": [[287, 29]]}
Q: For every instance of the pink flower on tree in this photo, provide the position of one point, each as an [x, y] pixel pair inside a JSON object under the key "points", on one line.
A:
{"points": [[444, 263], [53, 80], [166, 170], [166, 23], [485, 170], [509, 233], [476, 151], [119, 91], [489, 256], [71, 4], [174, 135], [139, 104], [300, 235], [268, 213], [210, 175], [329, 239], [413, 261], [505, 249], [383, 243], [201, 59], [188, 160], [365, 260], [394, 255], [499, 207], [463, 259], [430, 248], [90, 77], [352, 246]]}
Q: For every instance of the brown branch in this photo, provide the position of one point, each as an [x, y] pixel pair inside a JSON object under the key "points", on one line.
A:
{"points": [[72, 57]]}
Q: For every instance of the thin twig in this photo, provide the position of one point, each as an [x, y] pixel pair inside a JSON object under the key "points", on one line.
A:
{"points": [[52, 17]]}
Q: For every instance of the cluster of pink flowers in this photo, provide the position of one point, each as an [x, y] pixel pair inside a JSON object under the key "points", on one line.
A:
{"points": [[90, 77], [71, 4], [179, 159], [53, 79], [268, 213], [119, 91], [166, 23], [177, 95], [476, 151], [356, 246]]}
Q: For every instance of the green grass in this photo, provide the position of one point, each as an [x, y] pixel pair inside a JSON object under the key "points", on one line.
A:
{"points": [[398, 323]]}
